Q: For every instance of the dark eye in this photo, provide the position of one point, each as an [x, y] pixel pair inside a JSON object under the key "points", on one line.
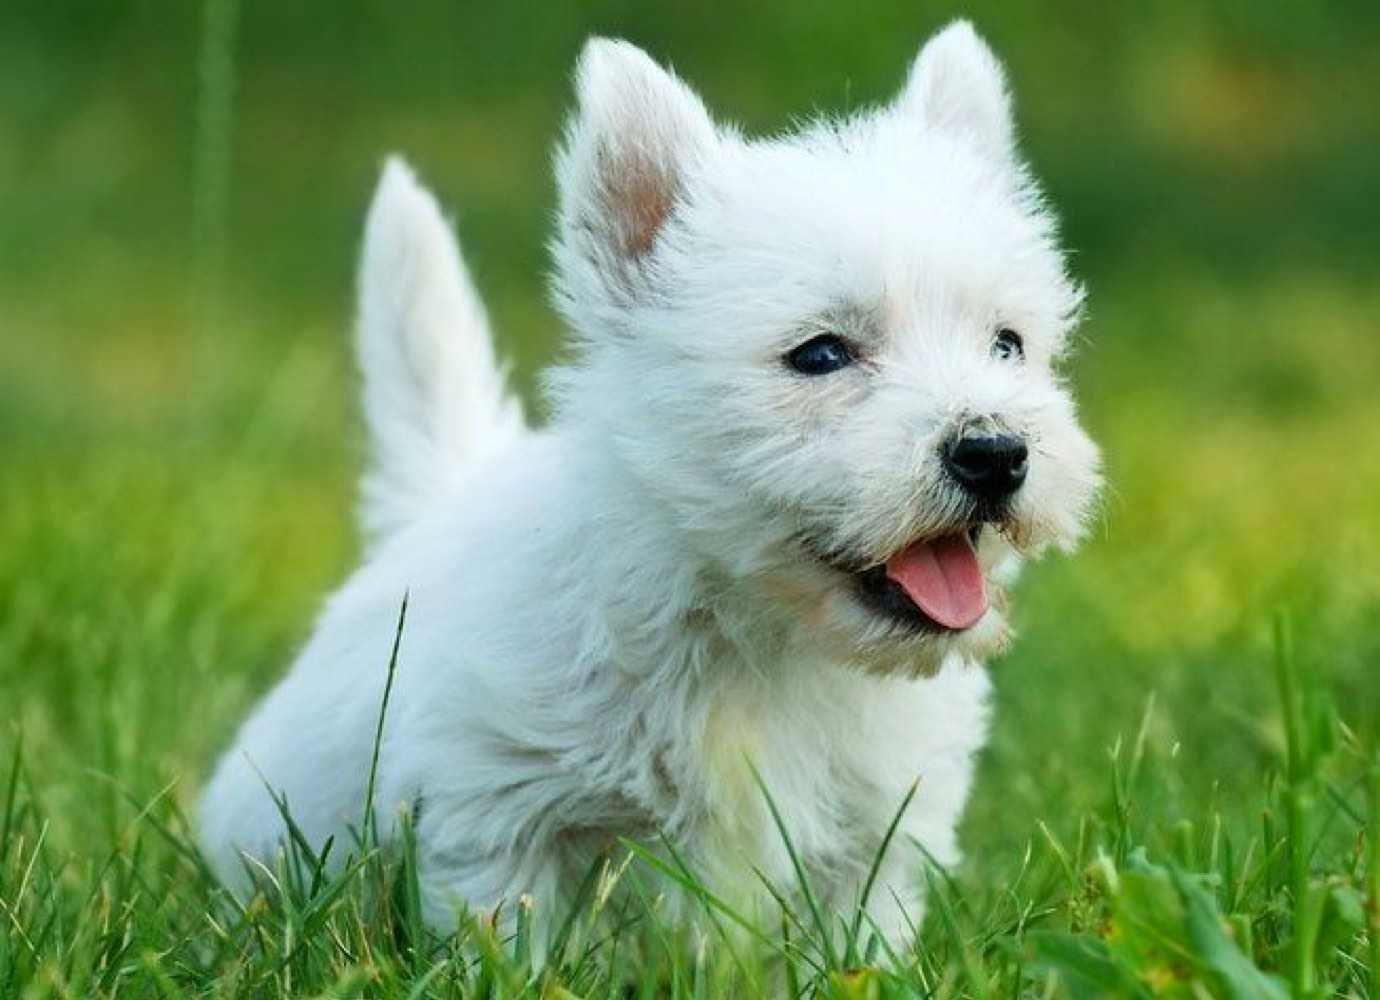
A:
{"points": [[820, 355], [1008, 346]]}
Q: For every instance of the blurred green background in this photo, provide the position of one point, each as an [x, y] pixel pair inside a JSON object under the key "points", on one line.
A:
{"points": [[178, 433]]}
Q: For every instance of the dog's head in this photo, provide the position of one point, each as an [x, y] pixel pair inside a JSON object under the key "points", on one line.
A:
{"points": [[832, 355]]}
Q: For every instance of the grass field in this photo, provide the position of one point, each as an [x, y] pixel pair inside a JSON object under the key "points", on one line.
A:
{"points": [[1176, 801]]}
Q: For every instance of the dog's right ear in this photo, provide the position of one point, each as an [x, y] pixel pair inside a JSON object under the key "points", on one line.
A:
{"points": [[634, 137], [957, 86]]}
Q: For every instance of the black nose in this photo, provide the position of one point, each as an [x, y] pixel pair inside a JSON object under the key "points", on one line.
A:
{"points": [[990, 466]]}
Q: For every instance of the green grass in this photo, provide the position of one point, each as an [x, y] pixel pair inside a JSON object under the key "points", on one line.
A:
{"points": [[1131, 905], [1181, 797]]}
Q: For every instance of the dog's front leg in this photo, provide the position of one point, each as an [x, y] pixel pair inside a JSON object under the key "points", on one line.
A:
{"points": [[895, 907]]}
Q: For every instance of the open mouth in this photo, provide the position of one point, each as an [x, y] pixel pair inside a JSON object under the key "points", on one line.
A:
{"points": [[932, 585]]}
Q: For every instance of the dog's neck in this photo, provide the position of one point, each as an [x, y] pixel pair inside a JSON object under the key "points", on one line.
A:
{"points": [[664, 587]]}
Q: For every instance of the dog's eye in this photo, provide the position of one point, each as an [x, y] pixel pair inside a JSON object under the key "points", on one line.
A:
{"points": [[820, 355], [1008, 346]]}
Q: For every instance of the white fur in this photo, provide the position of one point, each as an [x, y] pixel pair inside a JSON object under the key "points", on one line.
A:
{"points": [[434, 401], [611, 616]]}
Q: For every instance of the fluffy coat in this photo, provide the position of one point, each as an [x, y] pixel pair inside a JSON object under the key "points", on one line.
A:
{"points": [[611, 616]]}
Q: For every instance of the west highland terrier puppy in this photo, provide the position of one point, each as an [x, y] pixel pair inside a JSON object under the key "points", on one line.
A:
{"points": [[813, 423]]}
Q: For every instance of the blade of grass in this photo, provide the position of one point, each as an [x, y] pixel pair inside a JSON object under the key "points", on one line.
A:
{"points": [[713, 917], [792, 973], [583, 894], [1374, 877], [1297, 806], [412, 895], [11, 792], [826, 941], [179, 844], [423, 983], [700, 891], [787, 911], [871, 879], [370, 825], [968, 961]]}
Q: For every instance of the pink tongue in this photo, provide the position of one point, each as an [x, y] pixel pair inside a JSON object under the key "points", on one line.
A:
{"points": [[943, 578]]}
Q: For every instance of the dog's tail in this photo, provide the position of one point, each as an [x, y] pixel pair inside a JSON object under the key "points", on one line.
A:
{"points": [[435, 401]]}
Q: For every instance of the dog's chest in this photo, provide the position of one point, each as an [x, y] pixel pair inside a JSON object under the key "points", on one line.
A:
{"points": [[824, 757], [777, 767]]}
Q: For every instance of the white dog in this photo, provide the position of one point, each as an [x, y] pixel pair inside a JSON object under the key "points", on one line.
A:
{"points": [[813, 423]]}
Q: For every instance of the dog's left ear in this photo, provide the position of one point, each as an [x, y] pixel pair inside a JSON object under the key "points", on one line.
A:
{"points": [[957, 86], [634, 137]]}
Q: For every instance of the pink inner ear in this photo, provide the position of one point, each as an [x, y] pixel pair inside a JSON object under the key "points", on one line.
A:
{"points": [[637, 196]]}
